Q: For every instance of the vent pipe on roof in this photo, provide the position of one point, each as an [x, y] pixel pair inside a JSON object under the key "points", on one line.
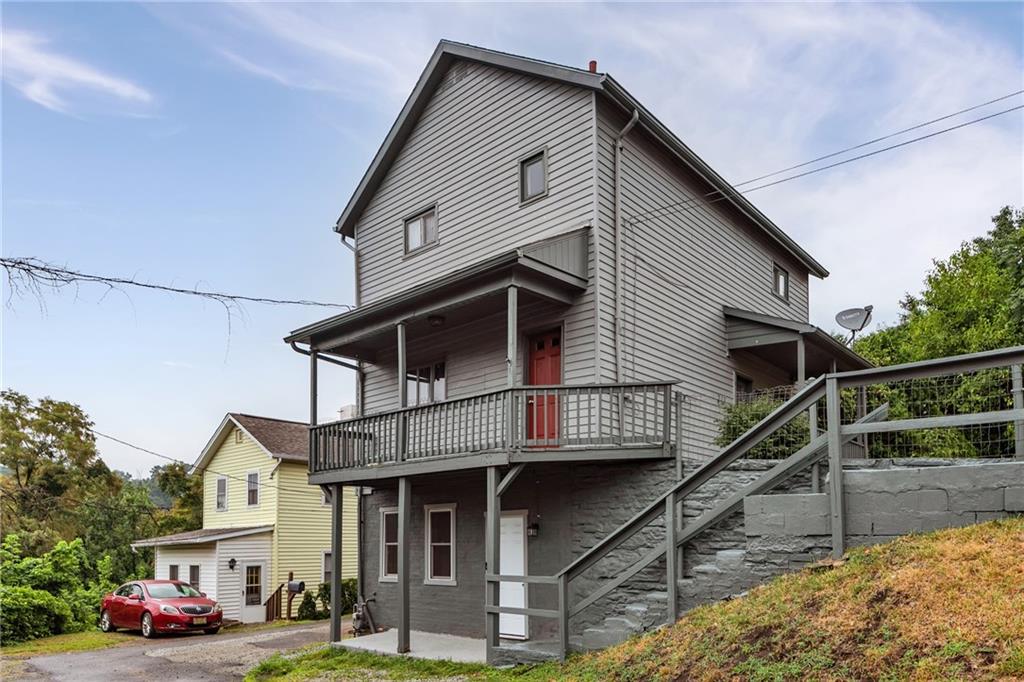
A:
{"points": [[593, 66]]}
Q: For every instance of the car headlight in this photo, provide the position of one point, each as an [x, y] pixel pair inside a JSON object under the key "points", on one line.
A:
{"points": [[167, 608], [217, 608]]}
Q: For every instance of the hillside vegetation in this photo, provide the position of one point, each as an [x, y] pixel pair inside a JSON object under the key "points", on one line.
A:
{"points": [[947, 605]]}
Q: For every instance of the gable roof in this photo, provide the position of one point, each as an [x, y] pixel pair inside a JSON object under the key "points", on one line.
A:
{"points": [[278, 438], [448, 52]]}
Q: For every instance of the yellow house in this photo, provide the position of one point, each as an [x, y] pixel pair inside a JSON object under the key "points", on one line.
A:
{"points": [[261, 521]]}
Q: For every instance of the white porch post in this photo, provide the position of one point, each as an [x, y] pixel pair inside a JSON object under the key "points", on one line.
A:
{"points": [[336, 549]]}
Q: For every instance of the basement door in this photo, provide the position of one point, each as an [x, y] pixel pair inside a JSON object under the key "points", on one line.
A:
{"points": [[513, 562], [545, 369]]}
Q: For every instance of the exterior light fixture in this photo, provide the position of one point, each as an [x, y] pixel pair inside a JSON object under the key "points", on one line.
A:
{"points": [[232, 563], [436, 320]]}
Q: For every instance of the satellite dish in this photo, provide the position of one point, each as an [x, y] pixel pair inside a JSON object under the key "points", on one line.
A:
{"points": [[854, 319]]}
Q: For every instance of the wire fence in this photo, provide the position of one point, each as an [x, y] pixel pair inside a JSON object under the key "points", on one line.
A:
{"points": [[710, 422]]}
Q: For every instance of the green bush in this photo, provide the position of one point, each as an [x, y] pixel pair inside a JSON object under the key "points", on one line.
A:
{"points": [[739, 417], [49, 594], [307, 609], [28, 613]]}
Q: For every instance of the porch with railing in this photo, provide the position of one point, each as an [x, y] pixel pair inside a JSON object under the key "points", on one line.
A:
{"points": [[602, 417]]}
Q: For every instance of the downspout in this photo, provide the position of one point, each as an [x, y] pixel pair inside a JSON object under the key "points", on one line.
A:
{"points": [[334, 361], [617, 220], [358, 299]]}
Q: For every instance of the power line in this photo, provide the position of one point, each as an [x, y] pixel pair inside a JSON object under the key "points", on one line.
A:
{"points": [[245, 480], [880, 139], [34, 274], [675, 206]]}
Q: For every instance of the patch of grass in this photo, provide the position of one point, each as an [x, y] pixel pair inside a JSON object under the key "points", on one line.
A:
{"points": [[946, 605], [62, 644]]}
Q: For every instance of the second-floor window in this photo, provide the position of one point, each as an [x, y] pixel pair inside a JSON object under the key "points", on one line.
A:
{"points": [[222, 493], [780, 281], [533, 176], [421, 230], [252, 481], [426, 384]]}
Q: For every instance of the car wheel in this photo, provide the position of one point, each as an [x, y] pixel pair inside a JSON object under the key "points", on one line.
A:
{"points": [[212, 631], [106, 625], [148, 631]]}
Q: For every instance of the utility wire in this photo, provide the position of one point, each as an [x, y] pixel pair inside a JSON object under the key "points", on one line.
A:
{"points": [[666, 209], [33, 274], [880, 139], [260, 483]]}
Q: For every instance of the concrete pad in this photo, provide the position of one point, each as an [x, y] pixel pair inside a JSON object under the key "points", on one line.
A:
{"points": [[429, 645]]}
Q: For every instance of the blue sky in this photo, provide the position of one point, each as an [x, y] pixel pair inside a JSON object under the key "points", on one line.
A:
{"points": [[215, 145]]}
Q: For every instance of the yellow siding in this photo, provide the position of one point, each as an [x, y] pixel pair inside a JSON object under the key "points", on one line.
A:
{"points": [[235, 460], [303, 531]]}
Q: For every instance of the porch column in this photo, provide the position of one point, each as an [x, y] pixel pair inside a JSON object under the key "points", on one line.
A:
{"points": [[812, 411], [336, 548], [835, 467], [492, 563], [313, 357], [403, 397], [404, 494], [513, 334]]}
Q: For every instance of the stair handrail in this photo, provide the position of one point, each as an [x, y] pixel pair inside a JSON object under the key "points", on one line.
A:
{"points": [[776, 419]]}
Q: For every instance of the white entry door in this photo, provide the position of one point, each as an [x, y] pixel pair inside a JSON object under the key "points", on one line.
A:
{"points": [[254, 577], [513, 562]]}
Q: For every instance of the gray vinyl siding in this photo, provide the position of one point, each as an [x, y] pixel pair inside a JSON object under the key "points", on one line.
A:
{"points": [[474, 353], [679, 269], [463, 155]]}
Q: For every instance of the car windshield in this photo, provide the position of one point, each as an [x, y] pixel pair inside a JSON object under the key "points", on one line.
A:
{"points": [[172, 591]]}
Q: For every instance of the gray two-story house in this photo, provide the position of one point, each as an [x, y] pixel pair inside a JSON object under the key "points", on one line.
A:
{"points": [[550, 288]]}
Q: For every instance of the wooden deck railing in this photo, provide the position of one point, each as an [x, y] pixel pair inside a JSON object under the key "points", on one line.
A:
{"points": [[593, 415]]}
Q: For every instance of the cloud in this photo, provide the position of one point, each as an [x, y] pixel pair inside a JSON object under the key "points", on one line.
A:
{"points": [[751, 87], [48, 78]]}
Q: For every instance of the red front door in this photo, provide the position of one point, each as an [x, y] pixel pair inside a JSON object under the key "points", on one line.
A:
{"points": [[545, 369]]}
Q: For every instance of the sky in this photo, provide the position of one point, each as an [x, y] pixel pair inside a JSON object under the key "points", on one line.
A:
{"points": [[215, 145]]}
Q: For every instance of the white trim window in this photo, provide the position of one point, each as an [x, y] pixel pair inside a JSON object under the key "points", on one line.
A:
{"points": [[439, 544], [326, 564], [172, 572], [222, 493], [252, 489], [388, 545], [193, 575]]}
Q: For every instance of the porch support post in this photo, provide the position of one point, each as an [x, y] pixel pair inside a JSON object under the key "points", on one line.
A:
{"points": [[513, 334], [404, 493], [337, 493], [492, 548], [835, 468], [313, 356], [403, 397], [1017, 372], [671, 557], [801, 361]]}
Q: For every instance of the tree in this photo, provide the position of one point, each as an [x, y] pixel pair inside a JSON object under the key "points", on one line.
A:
{"points": [[972, 301], [186, 494]]}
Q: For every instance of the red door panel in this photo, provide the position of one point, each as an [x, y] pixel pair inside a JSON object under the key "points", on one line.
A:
{"points": [[545, 368]]}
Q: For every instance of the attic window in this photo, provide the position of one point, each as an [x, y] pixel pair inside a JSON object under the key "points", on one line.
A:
{"points": [[533, 177], [421, 230]]}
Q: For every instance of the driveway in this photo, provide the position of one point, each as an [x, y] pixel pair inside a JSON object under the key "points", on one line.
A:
{"points": [[197, 657]]}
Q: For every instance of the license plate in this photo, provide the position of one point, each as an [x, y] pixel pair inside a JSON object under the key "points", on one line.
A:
{"points": [[198, 621]]}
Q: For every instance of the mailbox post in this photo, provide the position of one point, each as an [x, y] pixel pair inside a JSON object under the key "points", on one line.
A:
{"points": [[295, 587]]}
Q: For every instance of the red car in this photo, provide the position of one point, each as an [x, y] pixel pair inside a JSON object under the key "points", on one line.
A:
{"points": [[156, 606]]}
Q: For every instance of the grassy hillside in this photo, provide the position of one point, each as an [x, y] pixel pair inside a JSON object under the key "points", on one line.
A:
{"points": [[948, 605]]}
